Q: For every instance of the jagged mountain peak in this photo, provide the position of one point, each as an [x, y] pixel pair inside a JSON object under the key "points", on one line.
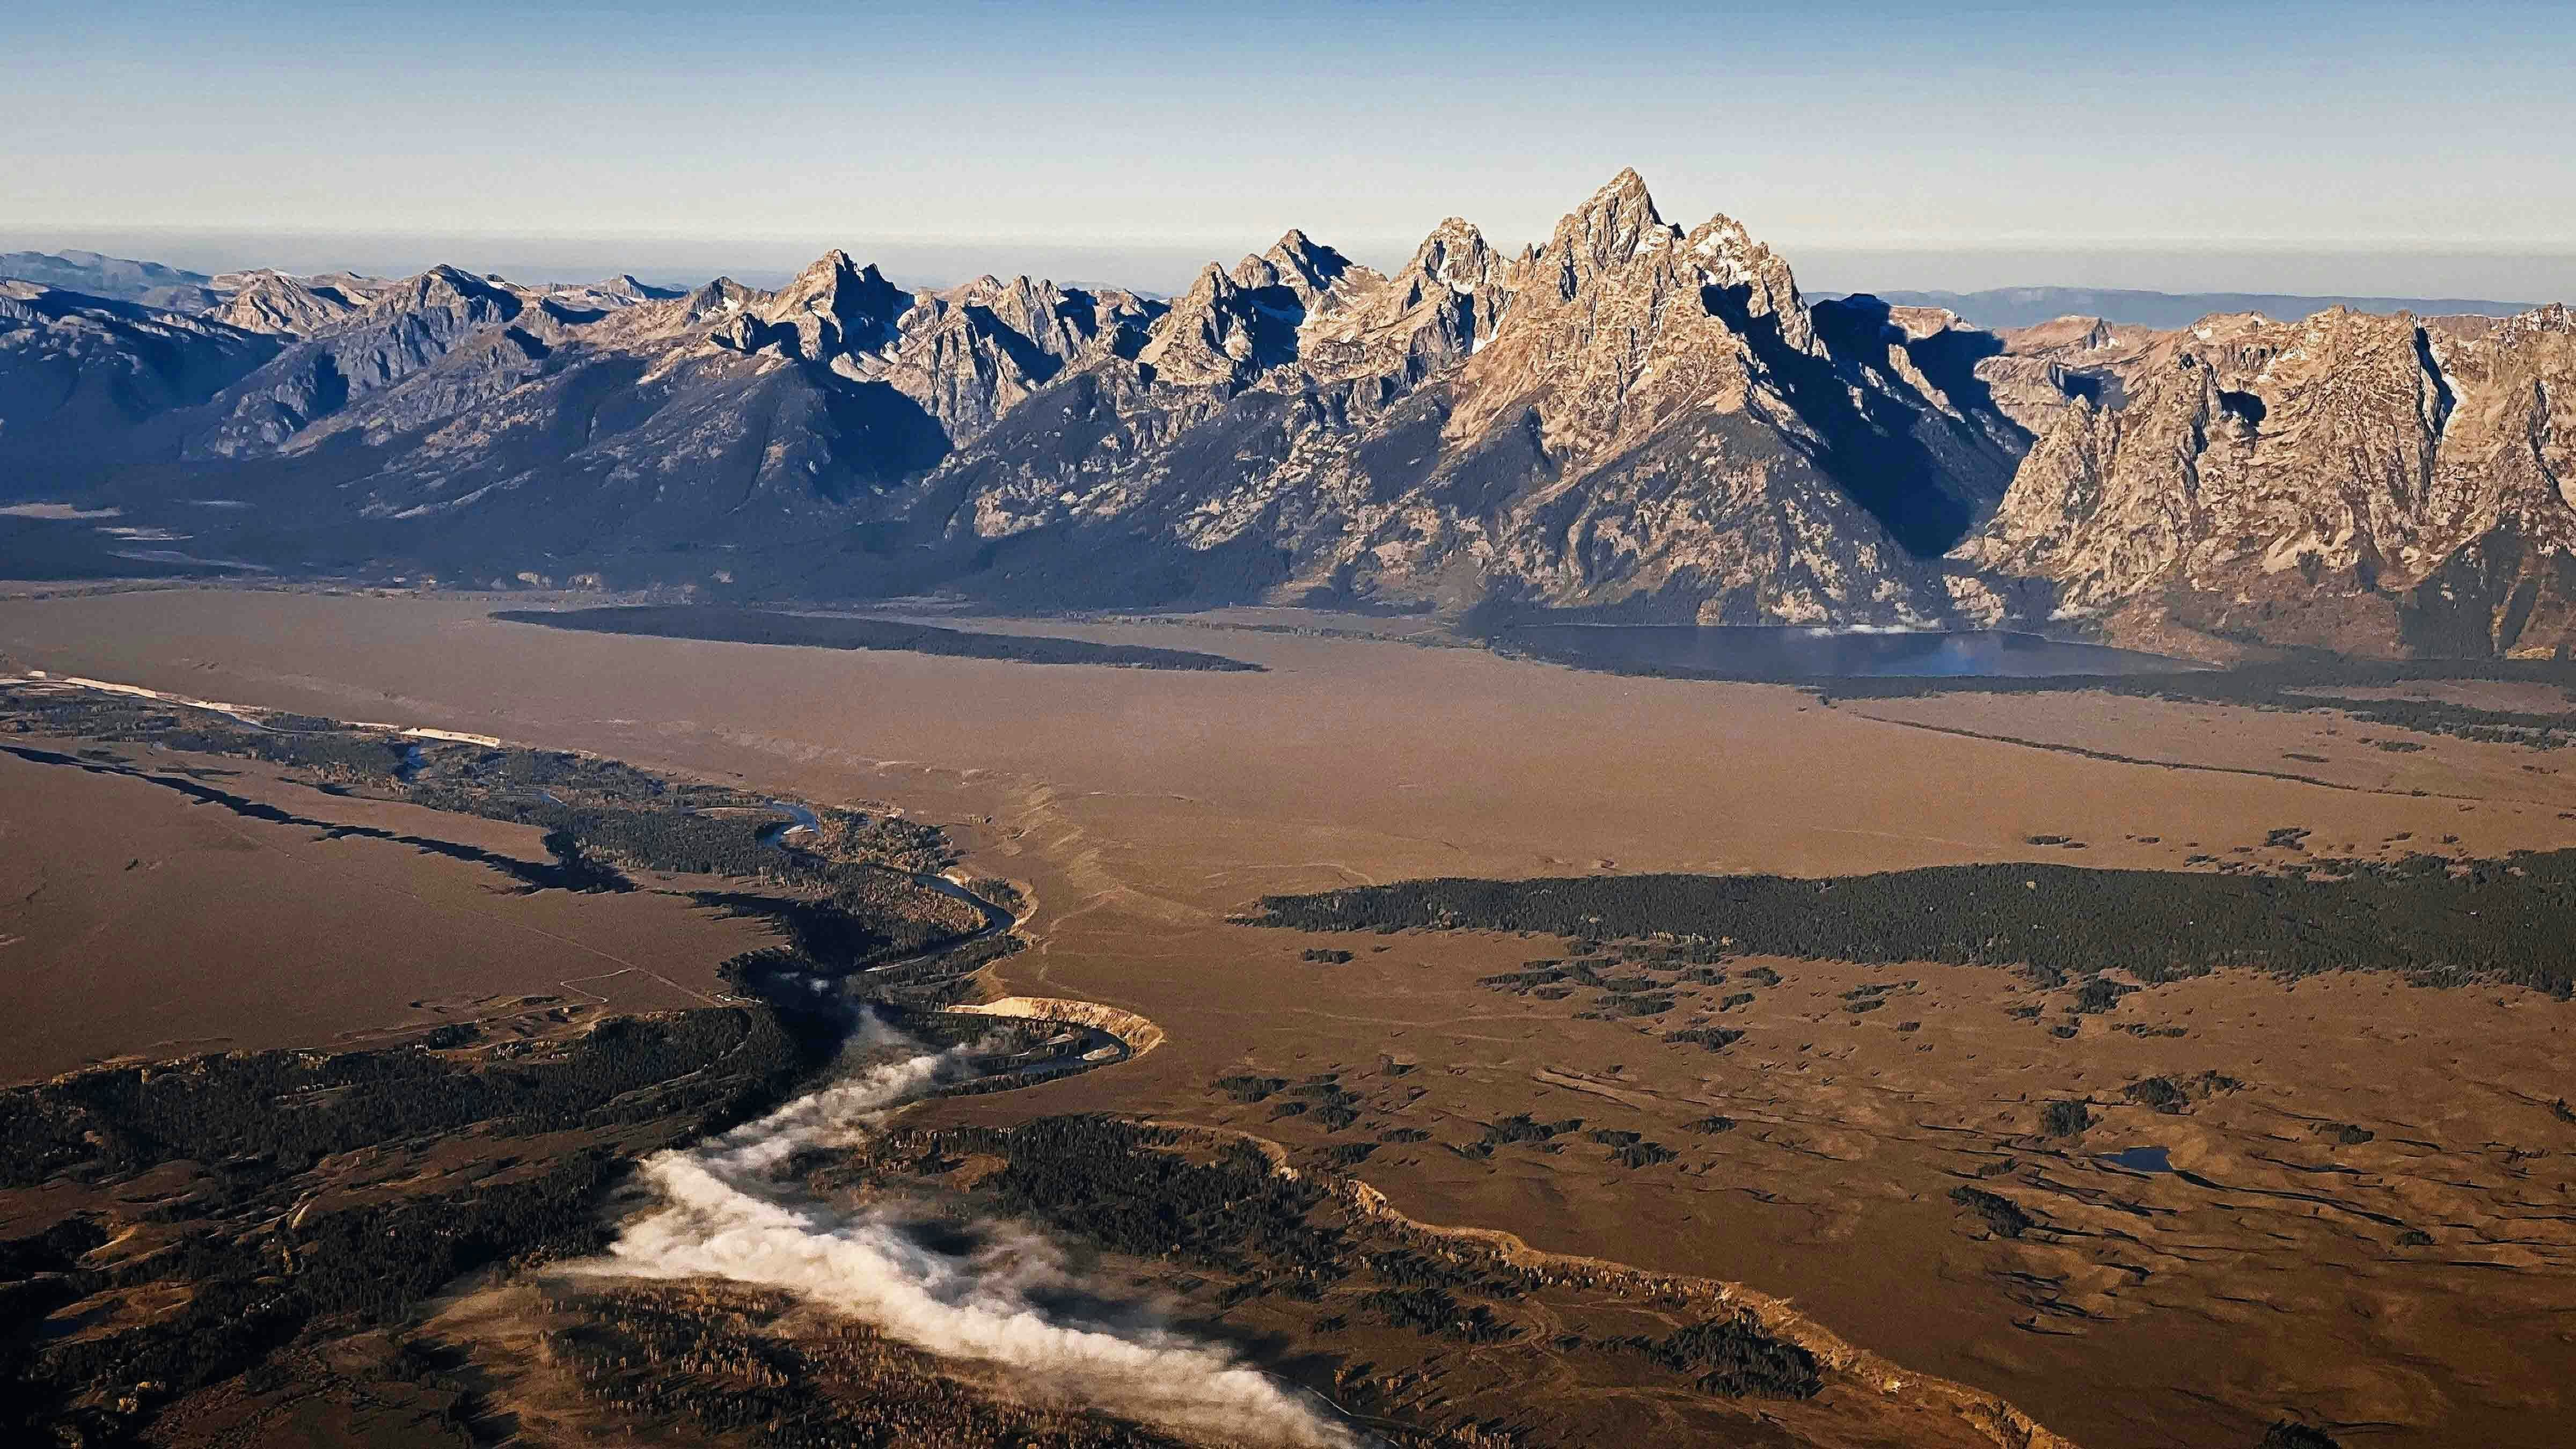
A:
{"points": [[1307, 255], [1018, 299], [722, 296], [835, 312], [1607, 230], [2069, 334], [834, 286], [1722, 241], [1750, 276], [351, 372], [1436, 310], [827, 276], [274, 302], [2555, 319], [626, 286], [1017, 293], [443, 287], [1625, 191], [1455, 252], [1212, 284], [1213, 335], [1304, 268], [1230, 327]]}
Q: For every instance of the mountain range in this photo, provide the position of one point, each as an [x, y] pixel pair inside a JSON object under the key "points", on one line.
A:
{"points": [[1633, 420], [2001, 308]]}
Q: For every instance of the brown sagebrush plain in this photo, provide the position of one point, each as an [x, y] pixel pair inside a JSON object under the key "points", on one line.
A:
{"points": [[2275, 1275], [141, 924]]}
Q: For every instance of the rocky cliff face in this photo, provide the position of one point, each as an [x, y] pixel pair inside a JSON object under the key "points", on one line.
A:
{"points": [[280, 305], [970, 354], [2352, 482], [1430, 314]]}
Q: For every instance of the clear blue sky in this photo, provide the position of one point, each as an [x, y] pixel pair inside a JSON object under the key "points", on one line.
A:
{"points": [[2416, 147]]}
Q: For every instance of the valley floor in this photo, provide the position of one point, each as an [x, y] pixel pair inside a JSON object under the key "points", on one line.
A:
{"points": [[2319, 1129]]}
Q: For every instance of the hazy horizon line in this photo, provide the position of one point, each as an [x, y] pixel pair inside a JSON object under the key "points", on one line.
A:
{"points": [[2182, 265]]}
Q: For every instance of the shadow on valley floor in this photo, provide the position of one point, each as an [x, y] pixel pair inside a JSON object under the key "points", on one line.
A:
{"points": [[842, 631]]}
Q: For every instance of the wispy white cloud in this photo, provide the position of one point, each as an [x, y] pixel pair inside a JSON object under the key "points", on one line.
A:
{"points": [[724, 1213]]}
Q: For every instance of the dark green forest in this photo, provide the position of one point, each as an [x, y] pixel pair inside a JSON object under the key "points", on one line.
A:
{"points": [[1154, 1193], [258, 1275], [2301, 684], [739, 1362], [2438, 921]]}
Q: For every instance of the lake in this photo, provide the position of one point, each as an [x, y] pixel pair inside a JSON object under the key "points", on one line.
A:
{"points": [[1777, 653]]}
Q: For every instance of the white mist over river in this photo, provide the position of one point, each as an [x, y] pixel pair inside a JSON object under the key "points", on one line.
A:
{"points": [[726, 1214]]}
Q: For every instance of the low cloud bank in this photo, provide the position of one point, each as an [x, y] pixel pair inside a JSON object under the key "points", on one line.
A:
{"points": [[1001, 1301]]}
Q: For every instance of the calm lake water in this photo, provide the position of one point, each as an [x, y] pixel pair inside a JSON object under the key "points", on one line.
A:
{"points": [[1775, 653]]}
